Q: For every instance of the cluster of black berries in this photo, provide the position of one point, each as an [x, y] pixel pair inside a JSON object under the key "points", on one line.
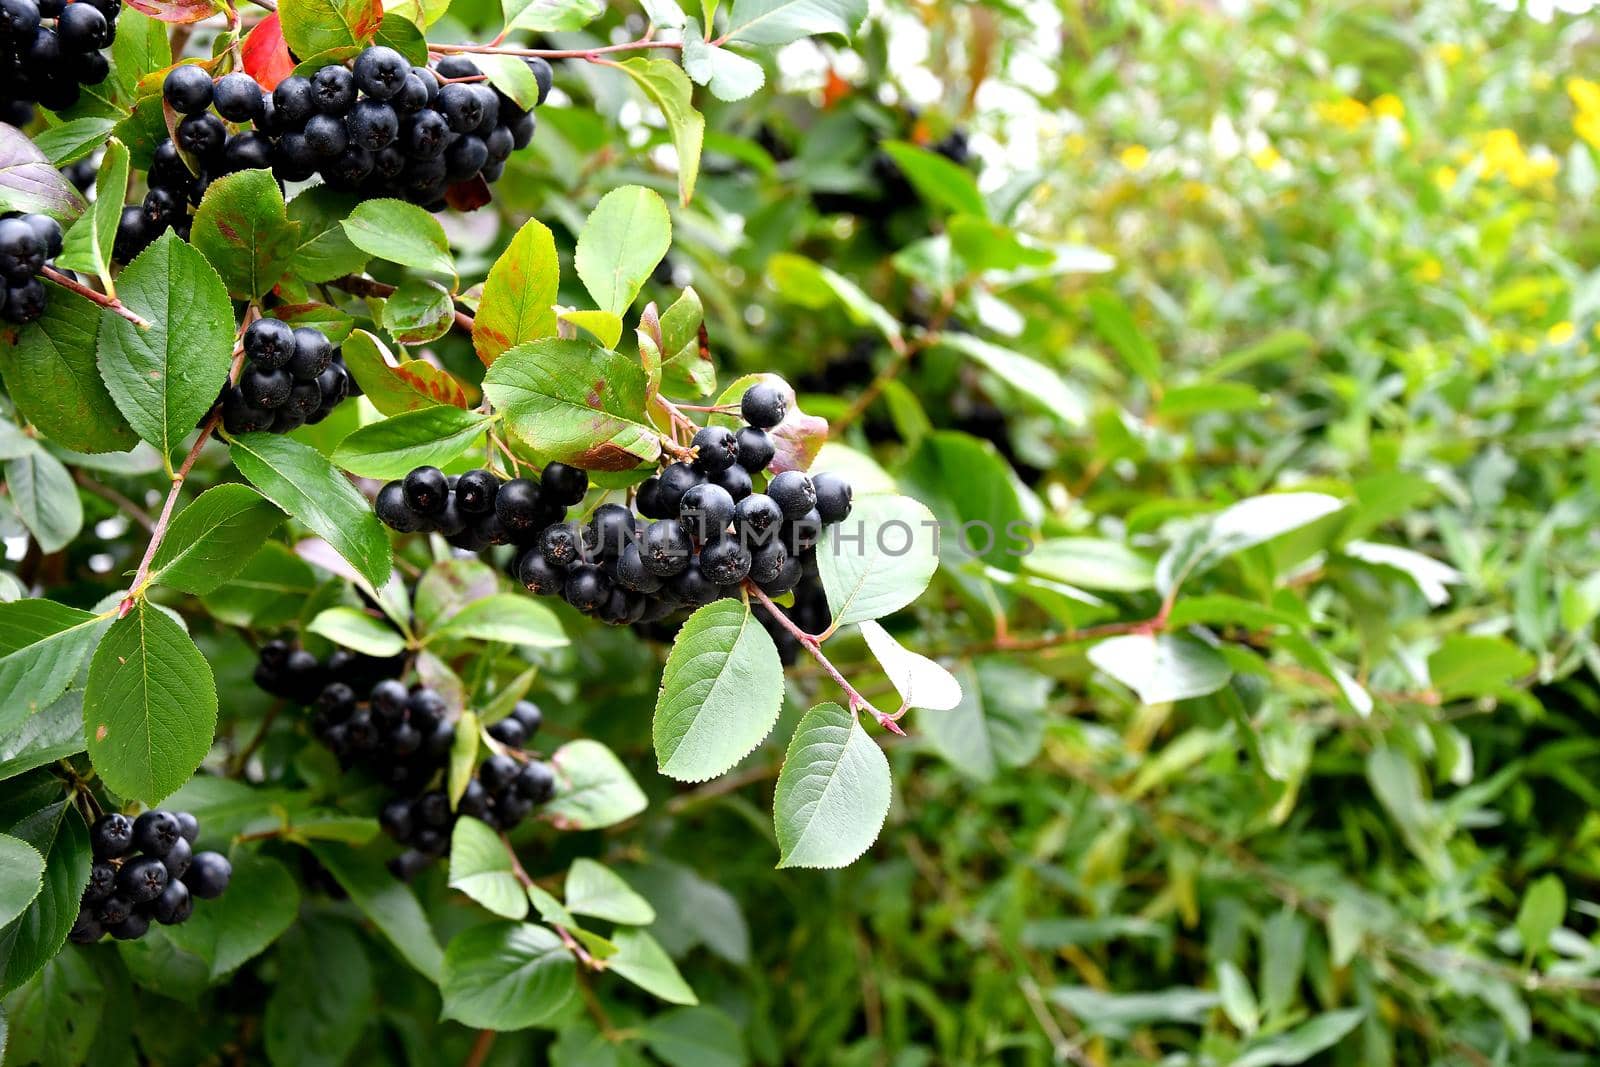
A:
{"points": [[504, 791], [145, 870], [49, 64], [292, 377], [26, 243], [379, 127], [476, 510], [298, 676], [712, 532]]}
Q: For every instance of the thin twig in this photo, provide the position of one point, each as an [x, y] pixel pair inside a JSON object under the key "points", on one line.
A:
{"points": [[108, 302], [111, 496], [814, 646], [480, 1048]]}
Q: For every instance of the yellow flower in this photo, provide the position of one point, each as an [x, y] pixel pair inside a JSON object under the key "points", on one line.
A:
{"points": [[1266, 158], [1348, 112], [1586, 124], [1135, 156], [1585, 94], [1075, 143], [1449, 53], [1195, 192], [1429, 270], [1389, 106], [1561, 333], [1445, 178], [1503, 157]]}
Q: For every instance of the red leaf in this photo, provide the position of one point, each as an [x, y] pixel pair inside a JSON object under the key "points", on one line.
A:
{"points": [[175, 10], [469, 195], [266, 55]]}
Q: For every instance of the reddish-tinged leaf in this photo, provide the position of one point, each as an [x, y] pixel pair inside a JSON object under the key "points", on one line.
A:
{"points": [[175, 10], [266, 55], [29, 183], [469, 195], [434, 383], [797, 440]]}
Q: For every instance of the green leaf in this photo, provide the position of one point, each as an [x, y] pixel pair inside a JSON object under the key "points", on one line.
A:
{"points": [[547, 15], [668, 88], [150, 706], [21, 877], [920, 681], [833, 791], [418, 311], [301, 481], [260, 904], [1117, 1014], [520, 293], [57, 833], [30, 183], [605, 326], [1162, 667], [400, 233], [71, 141], [359, 631], [512, 76], [938, 180], [696, 1037], [323, 998], [324, 251], [1243, 525], [42, 645], [575, 402], [1238, 1000], [51, 376], [1186, 401], [1092, 563], [1114, 321], [508, 617], [1035, 384], [45, 497], [1468, 665], [1541, 912], [312, 26], [622, 241], [726, 73], [213, 538], [481, 867], [165, 378], [400, 30], [48, 1023], [463, 756], [641, 960], [774, 22], [392, 448], [879, 559], [593, 788], [88, 243], [389, 903], [999, 722], [243, 228], [720, 693], [812, 285], [51, 734], [595, 890], [1301, 1043], [506, 976], [272, 589]]}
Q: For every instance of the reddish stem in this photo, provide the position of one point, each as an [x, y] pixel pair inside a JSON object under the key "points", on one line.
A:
{"points": [[814, 646], [108, 302]]}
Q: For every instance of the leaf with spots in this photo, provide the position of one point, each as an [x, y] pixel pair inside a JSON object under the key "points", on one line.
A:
{"points": [[575, 402], [520, 294], [243, 228], [150, 706]]}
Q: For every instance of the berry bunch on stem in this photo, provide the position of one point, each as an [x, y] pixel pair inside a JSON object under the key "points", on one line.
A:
{"points": [[711, 530], [27, 244], [145, 870], [49, 50], [292, 377]]}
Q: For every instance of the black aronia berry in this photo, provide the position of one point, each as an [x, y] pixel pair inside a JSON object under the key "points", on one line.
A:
{"points": [[687, 540]]}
